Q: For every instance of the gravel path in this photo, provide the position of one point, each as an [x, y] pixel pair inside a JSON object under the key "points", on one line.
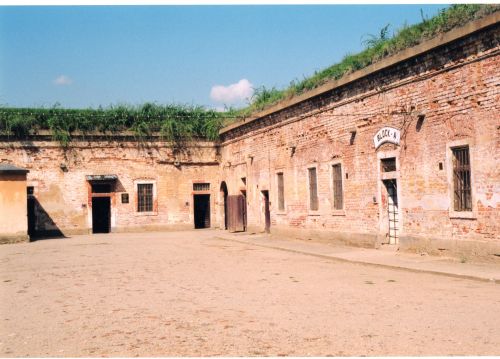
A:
{"points": [[188, 294]]}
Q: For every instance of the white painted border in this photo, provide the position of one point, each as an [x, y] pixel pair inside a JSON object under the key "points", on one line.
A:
{"points": [[154, 212], [276, 171], [387, 154], [310, 211], [337, 161], [449, 172]]}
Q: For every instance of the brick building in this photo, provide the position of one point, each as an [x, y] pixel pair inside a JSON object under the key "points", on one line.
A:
{"points": [[102, 185], [405, 151]]}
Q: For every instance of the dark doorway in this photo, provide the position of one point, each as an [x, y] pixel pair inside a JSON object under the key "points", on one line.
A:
{"points": [[224, 193], [101, 214], [392, 210], [31, 216], [244, 193], [201, 211], [267, 212]]}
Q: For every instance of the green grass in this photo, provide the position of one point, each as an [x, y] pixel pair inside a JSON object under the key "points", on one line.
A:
{"points": [[180, 123], [377, 47], [176, 123]]}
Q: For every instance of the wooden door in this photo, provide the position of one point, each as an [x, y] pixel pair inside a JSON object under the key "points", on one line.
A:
{"points": [[267, 211], [236, 213]]}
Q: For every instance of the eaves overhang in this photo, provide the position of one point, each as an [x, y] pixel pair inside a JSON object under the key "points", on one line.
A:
{"points": [[7, 168], [92, 178]]}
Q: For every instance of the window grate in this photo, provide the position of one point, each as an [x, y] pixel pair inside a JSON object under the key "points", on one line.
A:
{"points": [[281, 192], [313, 190], [145, 197], [461, 179], [201, 186], [338, 196]]}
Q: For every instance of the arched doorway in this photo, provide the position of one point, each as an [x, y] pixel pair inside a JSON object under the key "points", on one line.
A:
{"points": [[223, 196]]}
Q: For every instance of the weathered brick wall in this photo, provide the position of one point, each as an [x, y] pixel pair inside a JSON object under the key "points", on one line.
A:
{"points": [[440, 98], [455, 86], [64, 196]]}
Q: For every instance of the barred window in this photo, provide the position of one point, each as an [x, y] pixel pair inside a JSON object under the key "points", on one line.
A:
{"points": [[461, 179], [313, 189], [201, 186], [144, 197], [281, 192], [338, 196]]}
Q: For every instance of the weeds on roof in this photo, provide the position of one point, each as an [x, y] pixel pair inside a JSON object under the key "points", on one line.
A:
{"points": [[174, 123], [377, 47], [180, 123]]}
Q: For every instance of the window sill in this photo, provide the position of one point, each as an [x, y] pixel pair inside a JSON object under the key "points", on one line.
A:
{"points": [[281, 213], [338, 212], [140, 214], [462, 215], [314, 213]]}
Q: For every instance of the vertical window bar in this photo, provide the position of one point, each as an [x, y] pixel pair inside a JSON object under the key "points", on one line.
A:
{"points": [[281, 192], [313, 190], [338, 200]]}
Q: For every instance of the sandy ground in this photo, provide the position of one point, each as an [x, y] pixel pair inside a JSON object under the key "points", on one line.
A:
{"points": [[189, 294]]}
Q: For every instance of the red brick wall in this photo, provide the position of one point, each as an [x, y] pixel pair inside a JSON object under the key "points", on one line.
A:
{"points": [[456, 87], [65, 196]]}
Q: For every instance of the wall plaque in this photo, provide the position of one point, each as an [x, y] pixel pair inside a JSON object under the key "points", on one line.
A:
{"points": [[386, 134]]}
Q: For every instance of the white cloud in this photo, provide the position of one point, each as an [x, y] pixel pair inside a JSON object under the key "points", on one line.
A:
{"points": [[62, 80], [231, 94]]}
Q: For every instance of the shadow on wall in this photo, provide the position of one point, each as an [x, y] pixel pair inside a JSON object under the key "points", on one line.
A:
{"points": [[40, 225], [119, 186]]}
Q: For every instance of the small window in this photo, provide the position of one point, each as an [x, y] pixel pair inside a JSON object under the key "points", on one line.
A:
{"points": [[388, 164], [281, 192], [338, 196], [30, 190], [201, 186], [461, 179], [124, 197], [313, 189], [144, 197]]}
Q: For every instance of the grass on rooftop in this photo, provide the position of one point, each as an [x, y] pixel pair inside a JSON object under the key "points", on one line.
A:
{"points": [[377, 47], [180, 123]]}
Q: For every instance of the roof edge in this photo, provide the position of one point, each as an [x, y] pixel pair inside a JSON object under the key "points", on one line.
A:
{"points": [[10, 169], [47, 134], [435, 42]]}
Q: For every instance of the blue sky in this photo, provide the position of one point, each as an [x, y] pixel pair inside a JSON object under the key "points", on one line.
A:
{"points": [[86, 56]]}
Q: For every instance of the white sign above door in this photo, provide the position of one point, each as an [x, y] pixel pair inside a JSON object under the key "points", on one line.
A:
{"points": [[386, 134]]}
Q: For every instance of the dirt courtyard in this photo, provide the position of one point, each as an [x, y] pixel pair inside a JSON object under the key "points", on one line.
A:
{"points": [[191, 294]]}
